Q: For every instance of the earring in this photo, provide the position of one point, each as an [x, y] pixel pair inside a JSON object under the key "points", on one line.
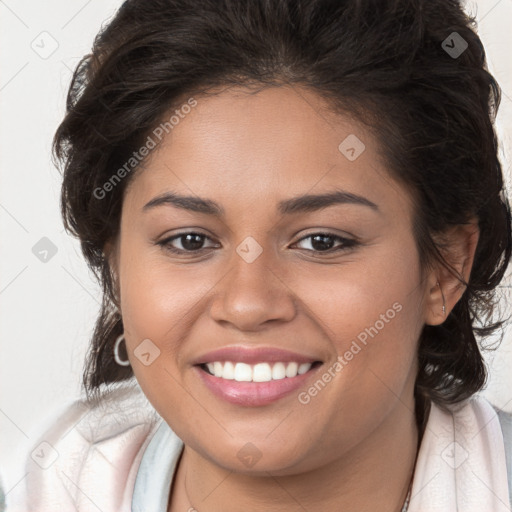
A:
{"points": [[118, 360], [444, 305]]}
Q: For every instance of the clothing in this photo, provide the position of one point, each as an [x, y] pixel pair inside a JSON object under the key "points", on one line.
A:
{"points": [[119, 455], [99, 447], [461, 463], [161, 456], [2, 498]]}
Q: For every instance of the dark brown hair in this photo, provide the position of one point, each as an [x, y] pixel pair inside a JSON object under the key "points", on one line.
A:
{"points": [[414, 71]]}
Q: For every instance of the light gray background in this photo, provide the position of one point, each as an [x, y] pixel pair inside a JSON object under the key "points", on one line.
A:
{"points": [[47, 310]]}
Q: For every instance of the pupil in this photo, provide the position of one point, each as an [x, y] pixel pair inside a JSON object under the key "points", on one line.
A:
{"points": [[188, 242], [322, 244]]}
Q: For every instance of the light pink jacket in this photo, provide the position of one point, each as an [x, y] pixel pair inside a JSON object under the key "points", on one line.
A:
{"points": [[101, 445]]}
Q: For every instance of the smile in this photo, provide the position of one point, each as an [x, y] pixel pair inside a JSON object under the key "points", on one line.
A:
{"points": [[255, 376], [260, 372]]}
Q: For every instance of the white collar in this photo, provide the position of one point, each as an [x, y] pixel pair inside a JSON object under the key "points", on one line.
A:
{"points": [[461, 462], [156, 470]]}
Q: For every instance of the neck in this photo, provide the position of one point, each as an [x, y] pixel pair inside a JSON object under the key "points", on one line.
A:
{"points": [[374, 475]]}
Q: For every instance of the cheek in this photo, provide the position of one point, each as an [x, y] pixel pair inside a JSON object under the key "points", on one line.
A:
{"points": [[372, 314], [157, 305], [157, 298], [368, 298]]}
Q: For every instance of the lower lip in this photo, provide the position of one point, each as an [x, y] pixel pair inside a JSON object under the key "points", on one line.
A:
{"points": [[253, 394]]}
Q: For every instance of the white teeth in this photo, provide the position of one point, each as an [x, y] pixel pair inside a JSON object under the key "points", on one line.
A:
{"points": [[278, 371], [303, 368], [243, 372], [228, 371], [260, 372], [217, 369], [291, 369]]}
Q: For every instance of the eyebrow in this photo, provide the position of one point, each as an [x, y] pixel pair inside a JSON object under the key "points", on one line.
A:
{"points": [[299, 204]]}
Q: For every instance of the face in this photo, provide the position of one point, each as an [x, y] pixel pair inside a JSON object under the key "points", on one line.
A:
{"points": [[329, 288]]}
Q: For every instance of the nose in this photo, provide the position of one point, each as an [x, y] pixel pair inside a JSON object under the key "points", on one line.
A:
{"points": [[254, 294]]}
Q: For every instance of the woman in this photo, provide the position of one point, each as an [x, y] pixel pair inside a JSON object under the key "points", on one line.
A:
{"points": [[296, 211]]}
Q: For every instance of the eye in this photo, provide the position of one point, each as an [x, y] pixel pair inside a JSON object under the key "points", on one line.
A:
{"points": [[190, 242], [323, 242]]}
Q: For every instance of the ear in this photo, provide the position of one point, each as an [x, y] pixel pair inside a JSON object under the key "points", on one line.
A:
{"points": [[457, 245]]}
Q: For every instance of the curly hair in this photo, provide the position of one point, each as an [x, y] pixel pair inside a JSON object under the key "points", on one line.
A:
{"points": [[386, 63]]}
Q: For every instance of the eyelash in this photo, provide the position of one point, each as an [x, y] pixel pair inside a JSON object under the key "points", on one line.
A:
{"points": [[347, 243]]}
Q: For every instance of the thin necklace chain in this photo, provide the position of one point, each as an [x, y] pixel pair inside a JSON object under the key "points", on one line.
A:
{"points": [[405, 508]]}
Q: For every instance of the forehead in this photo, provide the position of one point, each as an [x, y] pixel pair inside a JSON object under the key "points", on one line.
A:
{"points": [[249, 147]]}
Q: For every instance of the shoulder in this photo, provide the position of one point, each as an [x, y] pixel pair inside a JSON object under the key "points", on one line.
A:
{"points": [[486, 411], [90, 452], [505, 418], [479, 403]]}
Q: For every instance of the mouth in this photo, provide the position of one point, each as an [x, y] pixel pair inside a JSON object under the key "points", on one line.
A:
{"points": [[259, 372], [253, 377]]}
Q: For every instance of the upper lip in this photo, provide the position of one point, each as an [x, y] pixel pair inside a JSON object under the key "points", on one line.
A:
{"points": [[253, 355]]}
